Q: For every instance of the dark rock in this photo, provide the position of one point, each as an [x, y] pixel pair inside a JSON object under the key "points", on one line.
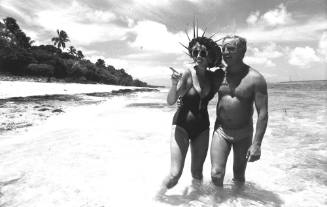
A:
{"points": [[43, 109], [57, 110]]}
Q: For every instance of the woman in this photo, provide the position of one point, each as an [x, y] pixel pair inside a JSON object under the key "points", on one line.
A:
{"points": [[195, 87]]}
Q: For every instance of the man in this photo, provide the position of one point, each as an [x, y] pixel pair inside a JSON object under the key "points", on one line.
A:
{"points": [[242, 86]]}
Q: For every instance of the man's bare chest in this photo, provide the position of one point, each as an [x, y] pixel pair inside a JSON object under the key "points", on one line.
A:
{"points": [[241, 89]]}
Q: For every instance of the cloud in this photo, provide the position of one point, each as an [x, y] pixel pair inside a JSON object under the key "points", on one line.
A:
{"points": [[83, 23], [86, 26], [259, 61], [278, 25], [303, 57], [264, 56], [151, 3], [253, 18], [278, 16], [154, 36], [113, 48], [11, 10], [323, 46], [75, 20], [99, 16], [309, 30], [142, 36]]}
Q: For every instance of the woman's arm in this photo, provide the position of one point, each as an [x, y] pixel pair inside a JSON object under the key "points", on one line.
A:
{"points": [[178, 87]]}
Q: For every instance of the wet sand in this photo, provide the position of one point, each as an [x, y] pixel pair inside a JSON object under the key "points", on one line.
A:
{"points": [[61, 153], [26, 103]]}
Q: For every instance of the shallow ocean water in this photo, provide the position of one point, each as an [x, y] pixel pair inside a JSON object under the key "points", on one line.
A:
{"points": [[116, 153]]}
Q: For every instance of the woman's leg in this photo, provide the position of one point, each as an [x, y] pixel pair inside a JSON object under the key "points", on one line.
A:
{"points": [[199, 149], [219, 152], [179, 143]]}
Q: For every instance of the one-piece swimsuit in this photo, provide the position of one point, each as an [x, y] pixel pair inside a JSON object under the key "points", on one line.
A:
{"points": [[192, 113]]}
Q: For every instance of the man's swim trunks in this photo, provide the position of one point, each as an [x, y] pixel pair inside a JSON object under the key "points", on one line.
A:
{"points": [[234, 135]]}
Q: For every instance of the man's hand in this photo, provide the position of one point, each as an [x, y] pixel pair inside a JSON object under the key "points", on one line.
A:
{"points": [[179, 102], [254, 153]]}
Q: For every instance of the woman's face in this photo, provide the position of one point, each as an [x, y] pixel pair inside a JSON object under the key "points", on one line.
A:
{"points": [[200, 55]]}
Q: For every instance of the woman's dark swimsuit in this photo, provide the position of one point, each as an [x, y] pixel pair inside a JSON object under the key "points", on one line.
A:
{"points": [[192, 114]]}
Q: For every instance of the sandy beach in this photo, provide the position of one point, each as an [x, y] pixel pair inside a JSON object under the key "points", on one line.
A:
{"points": [[54, 143], [26, 103], [69, 139], [105, 149]]}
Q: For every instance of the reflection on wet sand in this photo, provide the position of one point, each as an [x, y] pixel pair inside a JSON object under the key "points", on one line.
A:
{"points": [[209, 195]]}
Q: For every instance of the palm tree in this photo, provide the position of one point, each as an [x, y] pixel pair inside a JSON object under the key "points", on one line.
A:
{"points": [[61, 40], [72, 50], [80, 55]]}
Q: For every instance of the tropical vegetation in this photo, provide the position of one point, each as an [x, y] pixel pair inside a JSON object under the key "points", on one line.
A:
{"points": [[18, 56]]}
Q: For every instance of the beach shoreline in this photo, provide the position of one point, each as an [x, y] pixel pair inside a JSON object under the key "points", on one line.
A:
{"points": [[28, 103], [103, 142]]}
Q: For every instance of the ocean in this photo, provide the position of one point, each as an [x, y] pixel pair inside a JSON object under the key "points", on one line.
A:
{"points": [[116, 153]]}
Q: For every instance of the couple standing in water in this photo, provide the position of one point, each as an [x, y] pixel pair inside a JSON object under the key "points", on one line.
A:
{"points": [[238, 87]]}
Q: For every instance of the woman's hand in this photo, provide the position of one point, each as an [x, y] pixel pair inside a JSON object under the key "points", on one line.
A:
{"points": [[177, 80], [175, 77]]}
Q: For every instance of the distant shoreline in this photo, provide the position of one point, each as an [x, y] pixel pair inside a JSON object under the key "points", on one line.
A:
{"points": [[10, 77], [300, 81]]}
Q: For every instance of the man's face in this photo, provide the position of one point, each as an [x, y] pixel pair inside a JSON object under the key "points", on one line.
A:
{"points": [[231, 52]]}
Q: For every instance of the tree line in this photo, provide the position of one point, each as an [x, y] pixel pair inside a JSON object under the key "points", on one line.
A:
{"points": [[18, 56]]}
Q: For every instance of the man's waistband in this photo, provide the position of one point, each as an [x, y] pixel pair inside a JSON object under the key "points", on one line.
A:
{"points": [[238, 133]]}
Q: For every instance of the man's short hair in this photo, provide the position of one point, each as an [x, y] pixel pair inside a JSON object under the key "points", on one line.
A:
{"points": [[241, 42]]}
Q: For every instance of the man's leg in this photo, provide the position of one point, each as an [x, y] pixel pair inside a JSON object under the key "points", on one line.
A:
{"points": [[199, 149], [219, 152], [240, 149]]}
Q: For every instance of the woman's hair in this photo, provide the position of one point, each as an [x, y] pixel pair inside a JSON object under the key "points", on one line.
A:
{"points": [[214, 51]]}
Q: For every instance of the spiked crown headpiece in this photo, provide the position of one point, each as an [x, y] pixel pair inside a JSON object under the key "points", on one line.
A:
{"points": [[214, 51]]}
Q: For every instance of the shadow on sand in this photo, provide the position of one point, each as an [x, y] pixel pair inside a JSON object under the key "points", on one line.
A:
{"points": [[248, 194]]}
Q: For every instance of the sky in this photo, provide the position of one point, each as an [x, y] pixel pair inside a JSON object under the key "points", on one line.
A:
{"points": [[287, 40]]}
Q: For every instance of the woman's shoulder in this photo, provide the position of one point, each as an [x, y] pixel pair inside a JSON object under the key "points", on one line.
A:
{"points": [[217, 73], [187, 72]]}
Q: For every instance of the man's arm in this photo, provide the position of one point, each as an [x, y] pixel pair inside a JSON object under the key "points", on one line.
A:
{"points": [[261, 104]]}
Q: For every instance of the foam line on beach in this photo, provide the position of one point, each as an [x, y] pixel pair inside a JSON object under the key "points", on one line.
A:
{"points": [[11, 89], [73, 97]]}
